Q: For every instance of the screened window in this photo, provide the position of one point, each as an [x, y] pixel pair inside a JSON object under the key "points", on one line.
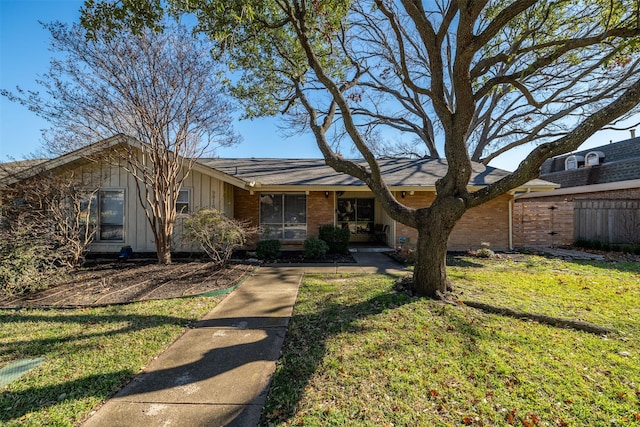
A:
{"points": [[111, 215], [182, 202], [283, 216]]}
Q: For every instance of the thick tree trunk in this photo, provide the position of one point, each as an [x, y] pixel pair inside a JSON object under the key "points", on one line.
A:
{"points": [[430, 274]]}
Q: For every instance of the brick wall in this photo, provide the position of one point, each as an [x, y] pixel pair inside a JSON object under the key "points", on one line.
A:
{"points": [[418, 200], [486, 223], [246, 206], [320, 211]]}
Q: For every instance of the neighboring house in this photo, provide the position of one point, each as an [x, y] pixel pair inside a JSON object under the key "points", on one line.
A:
{"points": [[289, 199], [598, 198]]}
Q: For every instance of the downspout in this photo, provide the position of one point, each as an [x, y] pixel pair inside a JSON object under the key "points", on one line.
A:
{"points": [[511, 201]]}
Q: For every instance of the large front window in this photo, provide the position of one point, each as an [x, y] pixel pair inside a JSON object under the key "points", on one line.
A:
{"points": [[283, 216], [111, 215]]}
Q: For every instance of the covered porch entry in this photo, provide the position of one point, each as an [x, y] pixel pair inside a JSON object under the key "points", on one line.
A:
{"points": [[368, 223]]}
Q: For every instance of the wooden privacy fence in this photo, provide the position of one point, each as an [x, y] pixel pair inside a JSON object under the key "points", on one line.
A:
{"points": [[542, 224], [608, 221]]}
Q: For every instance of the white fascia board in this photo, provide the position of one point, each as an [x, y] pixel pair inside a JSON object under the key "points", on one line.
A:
{"points": [[595, 188]]}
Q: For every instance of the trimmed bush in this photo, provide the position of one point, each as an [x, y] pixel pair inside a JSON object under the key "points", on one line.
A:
{"points": [[216, 234], [315, 248], [268, 249], [337, 238]]}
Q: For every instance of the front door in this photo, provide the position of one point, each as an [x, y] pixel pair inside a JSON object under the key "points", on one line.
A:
{"points": [[357, 214]]}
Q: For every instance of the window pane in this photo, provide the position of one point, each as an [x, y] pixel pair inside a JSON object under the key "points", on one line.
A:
{"points": [[111, 232], [295, 231], [364, 211], [182, 203], [271, 231], [271, 209], [347, 209], [295, 208], [283, 216], [112, 215]]}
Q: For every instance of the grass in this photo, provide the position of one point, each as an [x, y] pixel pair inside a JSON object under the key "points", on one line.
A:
{"points": [[90, 353], [360, 353]]}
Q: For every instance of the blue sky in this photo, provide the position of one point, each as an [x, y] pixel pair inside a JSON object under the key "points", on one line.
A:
{"points": [[24, 55]]}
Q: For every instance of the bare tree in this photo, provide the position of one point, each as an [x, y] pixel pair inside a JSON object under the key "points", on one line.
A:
{"points": [[161, 89], [470, 80], [47, 221]]}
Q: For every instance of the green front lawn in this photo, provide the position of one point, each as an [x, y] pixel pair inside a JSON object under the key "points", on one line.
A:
{"points": [[90, 353], [360, 353]]}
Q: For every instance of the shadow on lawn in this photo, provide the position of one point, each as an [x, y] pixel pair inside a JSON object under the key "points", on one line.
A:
{"points": [[622, 266], [306, 339], [16, 404]]}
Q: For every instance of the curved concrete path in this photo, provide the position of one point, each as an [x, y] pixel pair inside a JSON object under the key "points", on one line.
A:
{"points": [[218, 373]]}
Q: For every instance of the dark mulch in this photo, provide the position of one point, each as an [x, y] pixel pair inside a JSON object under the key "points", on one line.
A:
{"points": [[123, 282], [297, 257]]}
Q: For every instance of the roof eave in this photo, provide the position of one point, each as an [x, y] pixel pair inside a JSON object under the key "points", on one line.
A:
{"points": [[69, 158]]}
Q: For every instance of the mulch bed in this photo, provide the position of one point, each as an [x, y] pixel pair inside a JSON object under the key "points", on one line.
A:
{"points": [[114, 282], [124, 282]]}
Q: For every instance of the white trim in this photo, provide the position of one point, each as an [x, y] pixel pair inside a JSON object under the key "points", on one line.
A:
{"points": [[577, 158], [189, 202], [610, 186], [599, 155], [124, 215]]}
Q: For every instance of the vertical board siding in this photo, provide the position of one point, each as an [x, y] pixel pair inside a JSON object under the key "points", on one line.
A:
{"points": [[608, 221]]}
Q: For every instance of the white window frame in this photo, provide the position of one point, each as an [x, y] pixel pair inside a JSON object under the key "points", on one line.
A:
{"points": [[592, 155], [574, 161], [183, 211], [100, 222]]}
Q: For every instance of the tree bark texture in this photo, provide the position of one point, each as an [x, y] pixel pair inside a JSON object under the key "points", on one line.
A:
{"points": [[434, 227]]}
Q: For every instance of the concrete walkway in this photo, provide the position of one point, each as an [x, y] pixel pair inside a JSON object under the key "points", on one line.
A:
{"points": [[218, 373]]}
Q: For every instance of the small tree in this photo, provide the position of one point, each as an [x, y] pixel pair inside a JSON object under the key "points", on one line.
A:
{"points": [[161, 89], [217, 235]]}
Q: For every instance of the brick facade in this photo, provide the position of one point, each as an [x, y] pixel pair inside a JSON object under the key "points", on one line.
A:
{"points": [[320, 211], [246, 206], [486, 223]]}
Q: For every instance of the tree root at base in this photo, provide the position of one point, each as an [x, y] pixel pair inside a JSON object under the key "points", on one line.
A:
{"points": [[541, 318]]}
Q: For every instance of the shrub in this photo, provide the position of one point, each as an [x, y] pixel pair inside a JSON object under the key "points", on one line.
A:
{"points": [[584, 243], [485, 251], [27, 258], [217, 235], [337, 238], [268, 249], [315, 248]]}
